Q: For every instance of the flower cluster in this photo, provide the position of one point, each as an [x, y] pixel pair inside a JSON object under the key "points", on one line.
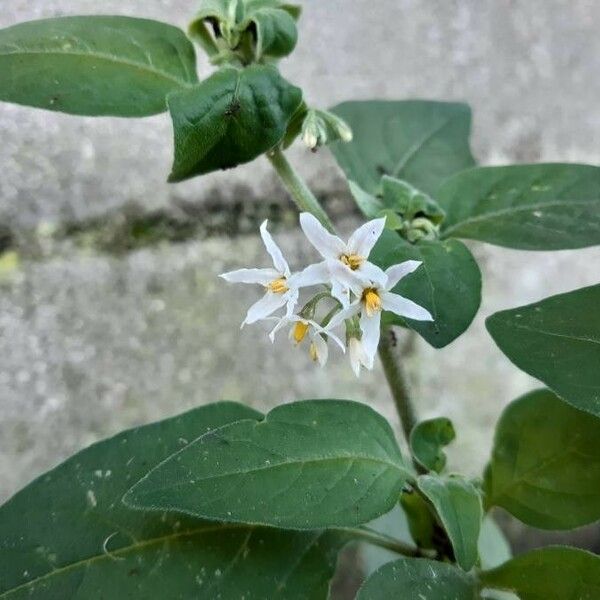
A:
{"points": [[358, 290]]}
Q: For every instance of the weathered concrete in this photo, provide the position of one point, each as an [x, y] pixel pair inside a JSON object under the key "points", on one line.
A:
{"points": [[528, 67]]}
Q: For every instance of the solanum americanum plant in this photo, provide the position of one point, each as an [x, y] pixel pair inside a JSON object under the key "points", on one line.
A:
{"points": [[226, 502]]}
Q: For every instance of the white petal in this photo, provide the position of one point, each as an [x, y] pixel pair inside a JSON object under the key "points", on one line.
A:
{"points": [[346, 313], [397, 272], [365, 237], [260, 276], [322, 350], [273, 249], [357, 355], [347, 277], [404, 307], [373, 273], [313, 275], [340, 293], [281, 323], [290, 299], [265, 307], [370, 327], [328, 245]]}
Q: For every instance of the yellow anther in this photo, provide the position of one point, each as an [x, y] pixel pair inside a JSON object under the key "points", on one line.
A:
{"points": [[312, 351], [371, 301], [278, 286], [352, 260], [300, 331]]}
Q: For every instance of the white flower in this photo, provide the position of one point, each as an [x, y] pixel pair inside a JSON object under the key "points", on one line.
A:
{"points": [[318, 350], [351, 256], [281, 287], [371, 299], [358, 356]]}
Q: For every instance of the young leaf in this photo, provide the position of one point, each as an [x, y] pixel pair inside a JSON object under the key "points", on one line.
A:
{"points": [[427, 440], [448, 284], [557, 341], [275, 26], [412, 578], [230, 118], [311, 464], [67, 535], [418, 141], [369, 205], [554, 573], [529, 207], [95, 65], [458, 505], [545, 467]]}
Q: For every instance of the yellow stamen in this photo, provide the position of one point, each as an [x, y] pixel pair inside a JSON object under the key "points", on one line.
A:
{"points": [[278, 286], [372, 301], [300, 331], [352, 260], [312, 351]]}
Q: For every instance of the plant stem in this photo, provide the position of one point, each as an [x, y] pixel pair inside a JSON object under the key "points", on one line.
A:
{"points": [[390, 359], [304, 198], [381, 540]]}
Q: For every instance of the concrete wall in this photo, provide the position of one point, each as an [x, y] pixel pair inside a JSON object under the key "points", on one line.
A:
{"points": [[92, 342]]}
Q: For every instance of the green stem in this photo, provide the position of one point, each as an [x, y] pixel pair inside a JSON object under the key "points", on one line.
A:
{"points": [[381, 540], [390, 359], [304, 198]]}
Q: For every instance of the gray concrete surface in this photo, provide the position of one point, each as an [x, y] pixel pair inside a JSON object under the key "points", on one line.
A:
{"points": [[528, 67]]}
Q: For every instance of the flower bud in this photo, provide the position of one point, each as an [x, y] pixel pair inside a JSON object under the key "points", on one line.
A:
{"points": [[321, 127]]}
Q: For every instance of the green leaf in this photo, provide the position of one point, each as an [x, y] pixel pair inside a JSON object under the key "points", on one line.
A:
{"points": [[529, 207], [494, 548], [95, 65], [545, 467], [231, 118], [556, 573], [557, 341], [67, 535], [448, 284], [418, 141], [421, 519], [458, 505], [275, 26], [418, 578], [321, 463], [369, 205], [427, 440]]}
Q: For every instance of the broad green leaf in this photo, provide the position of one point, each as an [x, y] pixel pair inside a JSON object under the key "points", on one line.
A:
{"points": [[321, 463], [529, 207], [545, 467], [494, 548], [95, 65], [555, 573], [557, 341], [448, 284], [67, 535], [230, 118], [427, 441], [458, 505], [418, 578], [418, 141], [274, 24]]}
